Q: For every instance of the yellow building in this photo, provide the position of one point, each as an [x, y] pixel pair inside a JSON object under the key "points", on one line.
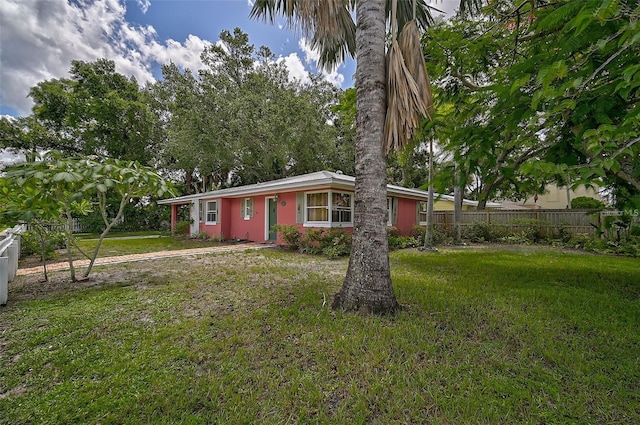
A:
{"points": [[554, 197]]}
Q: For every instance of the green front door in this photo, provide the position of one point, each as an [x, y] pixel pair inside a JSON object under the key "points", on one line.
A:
{"points": [[273, 218]]}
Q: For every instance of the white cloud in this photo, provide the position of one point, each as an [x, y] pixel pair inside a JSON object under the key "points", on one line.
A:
{"points": [[311, 57], [296, 68], [144, 5], [40, 39]]}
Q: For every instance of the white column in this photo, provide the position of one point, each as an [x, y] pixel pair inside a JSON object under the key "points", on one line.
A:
{"points": [[14, 255], [4, 289], [195, 217]]}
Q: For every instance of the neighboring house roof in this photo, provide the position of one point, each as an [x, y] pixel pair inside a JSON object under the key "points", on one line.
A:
{"points": [[439, 197], [311, 181]]}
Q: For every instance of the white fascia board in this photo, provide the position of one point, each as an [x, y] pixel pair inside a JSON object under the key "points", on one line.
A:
{"points": [[321, 180]]}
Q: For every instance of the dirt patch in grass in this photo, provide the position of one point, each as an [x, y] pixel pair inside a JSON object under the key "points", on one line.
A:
{"points": [[213, 268]]}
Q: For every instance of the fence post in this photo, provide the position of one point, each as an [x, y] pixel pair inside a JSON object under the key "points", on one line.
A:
{"points": [[4, 281], [14, 256]]}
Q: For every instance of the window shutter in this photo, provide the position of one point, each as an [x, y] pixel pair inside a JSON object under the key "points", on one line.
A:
{"points": [[242, 208], [299, 207], [250, 201], [417, 212], [394, 211]]}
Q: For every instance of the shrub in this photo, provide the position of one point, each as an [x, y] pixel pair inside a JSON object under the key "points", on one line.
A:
{"points": [[529, 230], [202, 236], [182, 227], [290, 234], [136, 217], [481, 232], [30, 244], [438, 236], [336, 243], [402, 242], [310, 243], [393, 231], [585, 202]]}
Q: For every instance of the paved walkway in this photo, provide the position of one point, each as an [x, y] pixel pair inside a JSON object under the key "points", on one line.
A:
{"points": [[146, 256]]}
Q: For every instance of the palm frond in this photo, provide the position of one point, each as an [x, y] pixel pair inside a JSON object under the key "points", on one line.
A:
{"points": [[404, 13], [334, 46], [409, 42], [409, 96], [470, 7], [403, 101], [328, 23]]}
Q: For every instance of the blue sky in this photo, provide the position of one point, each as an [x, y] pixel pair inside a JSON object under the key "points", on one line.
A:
{"points": [[40, 38]]}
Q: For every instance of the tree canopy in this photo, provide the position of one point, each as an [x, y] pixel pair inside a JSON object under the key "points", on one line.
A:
{"points": [[541, 91], [96, 111], [242, 116]]}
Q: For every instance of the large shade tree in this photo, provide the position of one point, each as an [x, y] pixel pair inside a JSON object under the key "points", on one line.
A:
{"points": [[97, 111], [396, 103], [542, 91], [242, 116]]}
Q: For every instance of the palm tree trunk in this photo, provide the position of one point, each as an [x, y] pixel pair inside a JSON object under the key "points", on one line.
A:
{"points": [[367, 286]]}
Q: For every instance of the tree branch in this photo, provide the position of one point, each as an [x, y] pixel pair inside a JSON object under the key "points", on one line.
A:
{"points": [[465, 82]]}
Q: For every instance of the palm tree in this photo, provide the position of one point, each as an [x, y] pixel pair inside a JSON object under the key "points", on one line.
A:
{"points": [[388, 111]]}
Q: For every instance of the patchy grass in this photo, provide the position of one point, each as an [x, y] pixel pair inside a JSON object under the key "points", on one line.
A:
{"points": [[486, 336], [123, 245], [115, 234]]}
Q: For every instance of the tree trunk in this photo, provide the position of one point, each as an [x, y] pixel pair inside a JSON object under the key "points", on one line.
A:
{"points": [[457, 213], [69, 235], [428, 236], [367, 286]]}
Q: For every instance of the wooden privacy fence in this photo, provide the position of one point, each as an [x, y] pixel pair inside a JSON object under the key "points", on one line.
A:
{"points": [[549, 222]]}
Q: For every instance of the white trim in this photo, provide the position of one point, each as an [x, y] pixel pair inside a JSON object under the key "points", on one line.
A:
{"points": [[206, 211], [266, 215], [329, 208], [248, 204], [317, 224], [424, 223]]}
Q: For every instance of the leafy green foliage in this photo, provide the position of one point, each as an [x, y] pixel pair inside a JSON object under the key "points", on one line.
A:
{"points": [[290, 234], [56, 188], [30, 243], [95, 112], [540, 92], [587, 202], [242, 117]]}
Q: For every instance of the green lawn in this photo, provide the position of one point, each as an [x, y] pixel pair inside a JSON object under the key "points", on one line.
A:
{"points": [[134, 245], [486, 336], [123, 244]]}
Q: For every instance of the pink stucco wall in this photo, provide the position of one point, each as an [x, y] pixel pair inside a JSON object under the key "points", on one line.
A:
{"points": [[232, 225], [251, 229], [406, 215], [221, 228]]}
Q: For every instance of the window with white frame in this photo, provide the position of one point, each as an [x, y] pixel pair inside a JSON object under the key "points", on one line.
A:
{"points": [[212, 211], [318, 207], [341, 207], [247, 208], [329, 208], [390, 211], [201, 211], [422, 212]]}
